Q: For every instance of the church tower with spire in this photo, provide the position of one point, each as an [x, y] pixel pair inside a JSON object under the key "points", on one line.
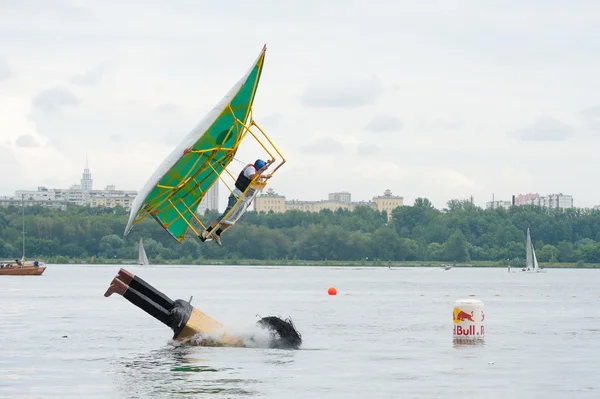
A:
{"points": [[86, 180]]}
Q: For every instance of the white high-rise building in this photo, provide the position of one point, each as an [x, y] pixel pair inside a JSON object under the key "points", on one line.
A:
{"points": [[210, 200], [80, 194], [86, 179], [549, 201], [557, 201], [42, 194], [342, 196]]}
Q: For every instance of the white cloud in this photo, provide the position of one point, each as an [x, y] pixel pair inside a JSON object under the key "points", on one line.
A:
{"points": [[382, 123], [168, 108], [545, 129], [334, 92], [26, 140], [326, 145], [54, 99], [8, 162], [367, 149], [5, 71], [591, 117], [91, 77], [450, 178], [455, 83], [592, 112]]}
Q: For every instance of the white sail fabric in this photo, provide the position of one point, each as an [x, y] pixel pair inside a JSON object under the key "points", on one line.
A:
{"points": [[529, 256], [189, 140], [142, 258], [531, 263]]}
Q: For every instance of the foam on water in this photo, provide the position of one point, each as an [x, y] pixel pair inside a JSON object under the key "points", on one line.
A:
{"points": [[249, 337]]}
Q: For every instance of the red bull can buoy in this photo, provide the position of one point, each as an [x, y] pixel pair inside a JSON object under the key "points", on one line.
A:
{"points": [[468, 318]]}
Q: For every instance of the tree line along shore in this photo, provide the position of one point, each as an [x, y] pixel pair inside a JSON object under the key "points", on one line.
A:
{"points": [[417, 235]]}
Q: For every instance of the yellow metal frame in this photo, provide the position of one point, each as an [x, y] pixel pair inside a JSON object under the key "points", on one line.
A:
{"points": [[255, 182], [271, 149]]}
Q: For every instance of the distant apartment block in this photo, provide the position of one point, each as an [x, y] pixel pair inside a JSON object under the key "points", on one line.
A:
{"points": [[549, 201], [6, 201], [557, 201], [526, 199], [317, 206], [342, 196], [210, 200], [80, 194], [271, 201], [388, 202], [110, 197], [42, 194]]}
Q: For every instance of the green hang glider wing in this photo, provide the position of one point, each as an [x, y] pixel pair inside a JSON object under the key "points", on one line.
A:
{"points": [[176, 188]]}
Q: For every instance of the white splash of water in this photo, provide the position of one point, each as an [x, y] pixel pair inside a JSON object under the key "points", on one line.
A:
{"points": [[248, 337]]}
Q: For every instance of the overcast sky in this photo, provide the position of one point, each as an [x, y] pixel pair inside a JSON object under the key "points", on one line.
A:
{"points": [[438, 99]]}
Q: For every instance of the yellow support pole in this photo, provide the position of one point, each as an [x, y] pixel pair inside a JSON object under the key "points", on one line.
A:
{"points": [[241, 129]]}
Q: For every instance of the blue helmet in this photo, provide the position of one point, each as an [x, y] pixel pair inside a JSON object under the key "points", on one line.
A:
{"points": [[259, 164]]}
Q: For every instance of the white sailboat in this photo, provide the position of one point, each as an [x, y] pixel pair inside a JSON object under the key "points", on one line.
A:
{"points": [[142, 258], [531, 263]]}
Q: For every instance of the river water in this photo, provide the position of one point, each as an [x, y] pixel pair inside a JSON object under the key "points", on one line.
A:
{"points": [[387, 334]]}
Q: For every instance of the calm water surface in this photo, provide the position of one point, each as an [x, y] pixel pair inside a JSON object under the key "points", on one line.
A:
{"points": [[387, 334]]}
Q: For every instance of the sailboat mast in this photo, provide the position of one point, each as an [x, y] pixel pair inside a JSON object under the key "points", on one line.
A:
{"points": [[23, 216]]}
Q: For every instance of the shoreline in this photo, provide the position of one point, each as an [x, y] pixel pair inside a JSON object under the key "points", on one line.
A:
{"points": [[324, 263]]}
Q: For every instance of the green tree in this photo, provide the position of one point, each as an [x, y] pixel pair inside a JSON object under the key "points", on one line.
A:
{"points": [[549, 253], [456, 248], [565, 252], [460, 232]]}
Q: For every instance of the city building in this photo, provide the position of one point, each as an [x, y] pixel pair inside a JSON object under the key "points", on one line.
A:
{"points": [[317, 206], [526, 199], [210, 200], [388, 202], [271, 201], [6, 201], [110, 197], [548, 201], [342, 196], [80, 194], [557, 201], [74, 195], [42, 194], [86, 179]]}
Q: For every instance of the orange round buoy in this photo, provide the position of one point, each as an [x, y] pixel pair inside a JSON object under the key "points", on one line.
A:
{"points": [[332, 291]]}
